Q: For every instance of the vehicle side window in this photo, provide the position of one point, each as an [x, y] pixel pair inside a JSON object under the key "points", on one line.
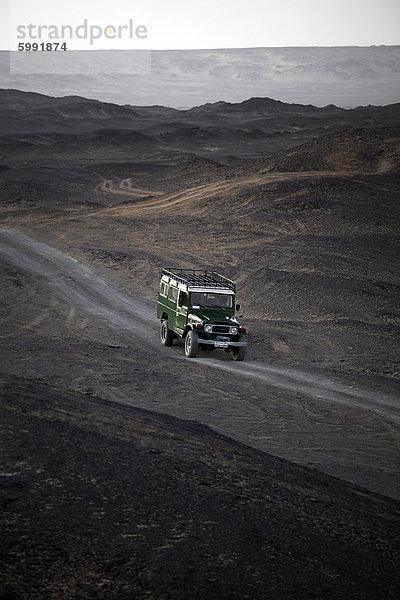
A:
{"points": [[183, 299], [164, 289], [173, 294]]}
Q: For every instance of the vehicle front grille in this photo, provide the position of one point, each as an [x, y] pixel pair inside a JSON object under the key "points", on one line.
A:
{"points": [[220, 329]]}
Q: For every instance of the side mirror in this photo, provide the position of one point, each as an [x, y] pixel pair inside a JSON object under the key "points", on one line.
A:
{"points": [[237, 306]]}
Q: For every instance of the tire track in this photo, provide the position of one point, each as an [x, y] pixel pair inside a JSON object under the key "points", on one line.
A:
{"points": [[78, 283], [125, 187]]}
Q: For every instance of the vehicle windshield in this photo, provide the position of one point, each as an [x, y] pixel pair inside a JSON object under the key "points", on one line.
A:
{"points": [[210, 299]]}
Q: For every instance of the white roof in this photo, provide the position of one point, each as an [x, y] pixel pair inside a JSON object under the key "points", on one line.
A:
{"points": [[192, 288]]}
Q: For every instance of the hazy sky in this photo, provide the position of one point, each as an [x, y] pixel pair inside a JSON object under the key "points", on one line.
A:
{"points": [[176, 24]]}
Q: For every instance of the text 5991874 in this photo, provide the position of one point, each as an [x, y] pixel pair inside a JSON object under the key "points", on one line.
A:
{"points": [[41, 47]]}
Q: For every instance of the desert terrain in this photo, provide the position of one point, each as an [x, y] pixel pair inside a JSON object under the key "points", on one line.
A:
{"points": [[132, 472]]}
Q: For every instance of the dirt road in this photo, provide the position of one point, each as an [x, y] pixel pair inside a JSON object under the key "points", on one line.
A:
{"points": [[351, 423], [83, 287]]}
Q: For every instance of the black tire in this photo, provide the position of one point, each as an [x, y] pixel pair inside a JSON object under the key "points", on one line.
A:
{"points": [[191, 344], [239, 353], [166, 335]]}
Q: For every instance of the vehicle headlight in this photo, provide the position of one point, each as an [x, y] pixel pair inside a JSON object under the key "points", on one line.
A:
{"points": [[208, 328], [233, 330]]}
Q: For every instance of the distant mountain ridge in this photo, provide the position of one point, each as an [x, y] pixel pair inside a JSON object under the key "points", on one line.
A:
{"points": [[223, 132], [344, 76], [18, 106]]}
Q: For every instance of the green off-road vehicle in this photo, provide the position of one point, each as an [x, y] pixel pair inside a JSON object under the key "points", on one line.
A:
{"points": [[199, 306]]}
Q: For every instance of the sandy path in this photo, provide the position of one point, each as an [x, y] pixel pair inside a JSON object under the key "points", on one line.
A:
{"points": [[89, 291], [165, 203]]}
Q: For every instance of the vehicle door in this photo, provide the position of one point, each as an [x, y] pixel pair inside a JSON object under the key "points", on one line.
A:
{"points": [[181, 311], [172, 302]]}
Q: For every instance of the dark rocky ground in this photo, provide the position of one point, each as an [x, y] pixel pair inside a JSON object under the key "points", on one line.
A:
{"points": [[104, 499], [108, 501]]}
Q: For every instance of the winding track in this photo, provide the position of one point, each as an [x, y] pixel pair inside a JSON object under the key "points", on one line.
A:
{"points": [[124, 186], [84, 288]]}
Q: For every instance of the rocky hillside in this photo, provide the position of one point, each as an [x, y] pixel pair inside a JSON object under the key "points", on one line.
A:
{"points": [[372, 149]]}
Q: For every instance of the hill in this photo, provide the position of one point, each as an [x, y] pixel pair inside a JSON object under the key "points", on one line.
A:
{"points": [[372, 150]]}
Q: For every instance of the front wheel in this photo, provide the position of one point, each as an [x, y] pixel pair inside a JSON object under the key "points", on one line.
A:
{"points": [[239, 353], [191, 344], [166, 335]]}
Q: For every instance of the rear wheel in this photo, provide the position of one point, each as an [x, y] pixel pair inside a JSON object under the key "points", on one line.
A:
{"points": [[239, 353], [191, 344], [166, 335]]}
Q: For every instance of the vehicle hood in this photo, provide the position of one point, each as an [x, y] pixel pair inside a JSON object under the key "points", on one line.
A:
{"points": [[213, 315]]}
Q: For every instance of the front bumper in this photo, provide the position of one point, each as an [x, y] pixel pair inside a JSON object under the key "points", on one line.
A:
{"points": [[222, 343]]}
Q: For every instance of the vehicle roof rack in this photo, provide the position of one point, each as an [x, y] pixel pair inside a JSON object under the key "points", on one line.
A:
{"points": [[200, 278]]}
